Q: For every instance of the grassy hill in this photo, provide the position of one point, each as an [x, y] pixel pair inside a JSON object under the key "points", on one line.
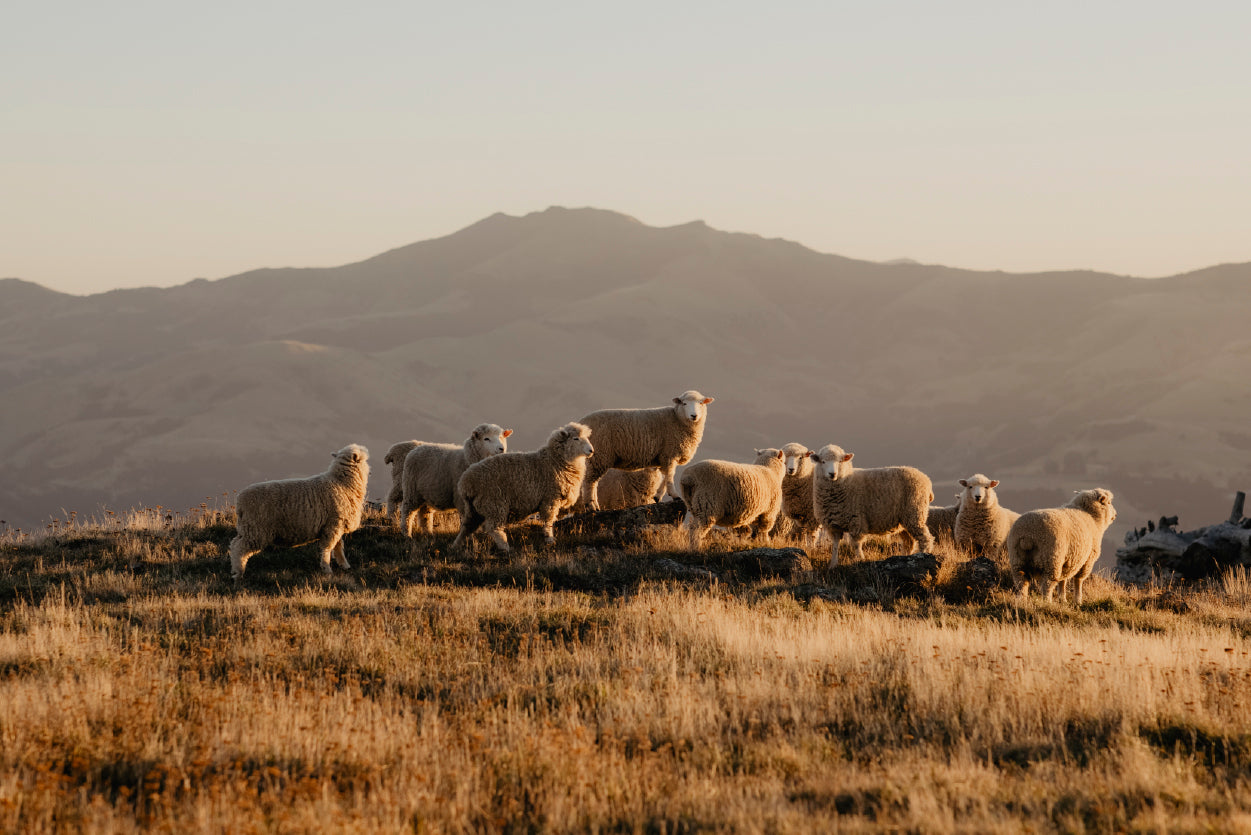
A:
{"points": [[584, 688]]}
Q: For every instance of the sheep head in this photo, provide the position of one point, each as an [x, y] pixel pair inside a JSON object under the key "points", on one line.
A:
{"points": [[1098, 503], [977, 489], [831, 462], [692, 406], [794, 457], [572, 441], [352, 454], [764, 456], [490, 438]]}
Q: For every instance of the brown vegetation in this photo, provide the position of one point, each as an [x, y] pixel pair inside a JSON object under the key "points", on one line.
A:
{"points": [[580, 689]]}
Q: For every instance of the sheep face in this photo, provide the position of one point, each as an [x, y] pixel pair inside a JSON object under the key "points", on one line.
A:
{"points": [[692, 406], [793, 454], [492, 439], [977, 489], [831, 462], [573, 441]]}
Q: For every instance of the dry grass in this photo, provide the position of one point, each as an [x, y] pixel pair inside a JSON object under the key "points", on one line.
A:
{"points": [[580, 690]]}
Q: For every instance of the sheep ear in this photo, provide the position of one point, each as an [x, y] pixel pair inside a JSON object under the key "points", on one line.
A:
{"points": [[848, 456], [814, 456], [506, 433], [759, 451], [781, 455], [707, 400], [678, 400], [994, 483], [1103, 498], [964, 482]]}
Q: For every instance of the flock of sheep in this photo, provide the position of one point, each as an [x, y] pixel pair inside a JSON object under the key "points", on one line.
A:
{"points": [[617, 458]]}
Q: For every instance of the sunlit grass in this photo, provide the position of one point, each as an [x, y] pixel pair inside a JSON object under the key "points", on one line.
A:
{"points": [[582, 689]]}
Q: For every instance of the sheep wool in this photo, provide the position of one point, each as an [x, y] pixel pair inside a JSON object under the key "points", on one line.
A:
{"points": [[395, 457], [508, 488], [982, 524], [294, 511], [731, 495], [432, 471], [635, 439], [797, 490], [619, 489], [859, 502], [1050, 547], [941, 522]]}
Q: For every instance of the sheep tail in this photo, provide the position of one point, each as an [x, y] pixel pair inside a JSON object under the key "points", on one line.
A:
{"points": [[1025, 545]]}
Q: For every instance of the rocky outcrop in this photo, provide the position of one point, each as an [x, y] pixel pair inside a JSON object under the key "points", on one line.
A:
{"points": [[1159, 552]]}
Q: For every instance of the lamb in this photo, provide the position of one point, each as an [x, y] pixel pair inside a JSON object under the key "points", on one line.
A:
{"points": [[634, 439], [1053, 545], [797, 490], [431, 472], [508, 488], [395, 457], [942, 524], [295, 511], [982, 524], [619, 489], [732, 495], [869, 501]]}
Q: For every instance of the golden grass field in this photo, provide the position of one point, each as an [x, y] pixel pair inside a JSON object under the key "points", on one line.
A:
{"points": [[582, 691]]}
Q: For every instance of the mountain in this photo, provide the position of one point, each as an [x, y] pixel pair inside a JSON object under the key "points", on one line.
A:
{"points": [[1049, 382]]}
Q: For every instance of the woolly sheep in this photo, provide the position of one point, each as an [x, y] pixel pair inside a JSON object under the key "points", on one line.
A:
{"points": [[797, 490], [732, 495], [856, 502], [982, 524], [1053, 545], [619, 489], [295, 511], [395, 457], [431, 472], [633, 439], [508, 488], [942, 524]]}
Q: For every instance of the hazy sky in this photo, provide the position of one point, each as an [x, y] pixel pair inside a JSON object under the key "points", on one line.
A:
{"points": [[152, 143]]}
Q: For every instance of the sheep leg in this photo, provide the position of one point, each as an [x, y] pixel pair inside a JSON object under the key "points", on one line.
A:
{"points": [[497, 536], [590, 491], [339, 556], [325, 546], [857, 545], [1049, 589], [426, 515], [406, 518], [696, 529], [240, 553], [666, 485], [836, 536], [1023, 590], [922, 539], [547, 515]]}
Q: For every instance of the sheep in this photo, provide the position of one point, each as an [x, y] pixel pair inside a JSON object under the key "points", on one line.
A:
{"points": [[869, 501], [982, 524], [508, 488], [295, 511], [797, 490], [634, 439], [942, 524], [431, 472], [1053, 545], [732, 495], [395, 457], [619, 489]]}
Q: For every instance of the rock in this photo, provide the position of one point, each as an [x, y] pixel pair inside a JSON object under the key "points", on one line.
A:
{"points": [[624, 525], [974, 579], [686, 572], [1217, 549], [790, 564]]}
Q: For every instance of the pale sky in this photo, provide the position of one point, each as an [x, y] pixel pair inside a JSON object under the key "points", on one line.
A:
{"points": [[152, 143]]}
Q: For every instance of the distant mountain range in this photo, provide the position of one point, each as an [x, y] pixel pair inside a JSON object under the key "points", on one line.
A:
{"points": [[1049, 382]]}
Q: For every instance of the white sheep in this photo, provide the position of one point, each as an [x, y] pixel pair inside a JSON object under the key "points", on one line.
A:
{"points": [[1055, 545], [732, 495], [432, 471], [797, 490], [508, 488], [942, 524], [295, 511], [619, 489], [395, 457], [856, 502], [633, 439], [982, 524]]}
